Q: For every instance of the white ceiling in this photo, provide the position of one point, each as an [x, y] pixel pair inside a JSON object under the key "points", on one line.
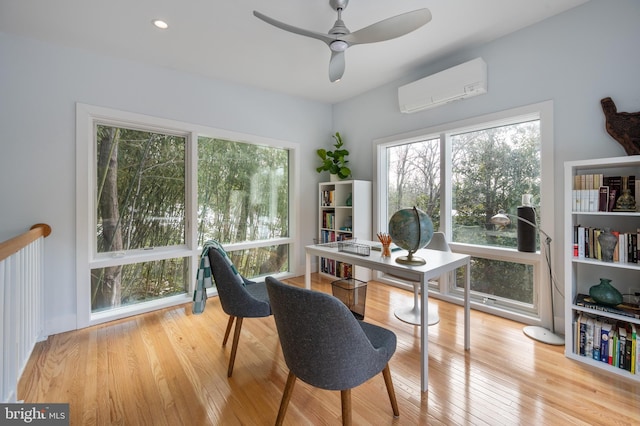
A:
{"points": [[223, 40]]}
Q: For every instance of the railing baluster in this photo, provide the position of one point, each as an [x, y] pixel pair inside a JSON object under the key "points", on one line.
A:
{"points": [[22, 304]]}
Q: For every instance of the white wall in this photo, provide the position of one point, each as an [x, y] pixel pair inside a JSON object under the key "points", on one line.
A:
{"points": [[574, 59], [39, 86]]}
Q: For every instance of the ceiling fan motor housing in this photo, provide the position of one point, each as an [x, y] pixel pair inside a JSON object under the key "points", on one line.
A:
{"points": [[338, 4]]}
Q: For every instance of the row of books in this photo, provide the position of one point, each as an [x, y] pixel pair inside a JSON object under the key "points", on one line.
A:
{"points": [[587, 246], [327, 236], [328, 220], [609, 341], [336, 268], [598, 193], [327, 197]]}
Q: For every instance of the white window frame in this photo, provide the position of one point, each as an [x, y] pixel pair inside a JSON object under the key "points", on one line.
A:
{"points": [[87, 117], [539, 312]]}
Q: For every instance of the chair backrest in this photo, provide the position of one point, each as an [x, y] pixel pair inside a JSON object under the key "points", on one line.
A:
{"points": [[438, 242], [232, 290], [322, 342]]}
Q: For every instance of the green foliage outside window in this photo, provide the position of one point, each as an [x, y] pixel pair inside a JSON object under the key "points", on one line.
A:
{"points": [[491, 168], [141, 198], [243, 195], [140, 202]]}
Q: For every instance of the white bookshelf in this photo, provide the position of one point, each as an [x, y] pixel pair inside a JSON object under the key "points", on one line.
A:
{"points": [[335, 216], [582, 273]]}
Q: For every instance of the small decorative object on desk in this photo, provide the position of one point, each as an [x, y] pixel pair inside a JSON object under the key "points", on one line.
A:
{"points": [[385, 239], [606, 294], [608, 243]]}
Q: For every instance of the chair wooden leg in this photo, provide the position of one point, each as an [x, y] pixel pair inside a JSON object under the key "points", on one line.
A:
{"points": [[226, 333], [286, 396], [345, 396], [234, 346], [392, 394]]}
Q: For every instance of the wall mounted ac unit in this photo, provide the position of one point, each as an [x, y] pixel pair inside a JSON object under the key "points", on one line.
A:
{"points": [[462, 81]]}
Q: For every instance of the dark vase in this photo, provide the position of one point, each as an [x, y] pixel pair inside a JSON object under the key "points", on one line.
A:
{"points": [[605, 294], [608, 243]]}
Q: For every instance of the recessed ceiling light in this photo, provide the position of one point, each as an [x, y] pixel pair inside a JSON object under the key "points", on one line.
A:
{"points": [[160, 24]]}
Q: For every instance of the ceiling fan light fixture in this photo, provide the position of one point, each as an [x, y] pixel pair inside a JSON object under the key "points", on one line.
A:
{"points": [[339, 46]]}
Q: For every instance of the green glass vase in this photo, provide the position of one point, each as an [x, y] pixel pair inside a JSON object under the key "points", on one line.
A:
{"points": [[605, 294]]}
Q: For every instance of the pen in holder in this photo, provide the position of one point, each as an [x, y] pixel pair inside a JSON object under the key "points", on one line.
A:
{"points": [[385, 239]]}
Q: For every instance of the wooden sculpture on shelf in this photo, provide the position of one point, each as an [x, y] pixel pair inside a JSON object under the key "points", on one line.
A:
{"points": [[624, 127]]}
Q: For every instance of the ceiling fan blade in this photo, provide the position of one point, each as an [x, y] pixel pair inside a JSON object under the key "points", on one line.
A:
{"points": [[300, 31], [336, 66], [389, 28]]}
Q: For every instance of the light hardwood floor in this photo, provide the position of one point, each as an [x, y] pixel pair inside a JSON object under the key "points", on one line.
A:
{"points": [[168, 368]]}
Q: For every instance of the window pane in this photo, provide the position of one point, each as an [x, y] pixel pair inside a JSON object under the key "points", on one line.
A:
{"points": [[414, 178], [136, 283], [140, 194], [261, 260], [492, 168], [500, 279], [243, 195]]}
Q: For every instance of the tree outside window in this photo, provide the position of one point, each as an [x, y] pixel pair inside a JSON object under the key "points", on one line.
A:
{"points": [[140, 203], [243, 195], [491, 167]]}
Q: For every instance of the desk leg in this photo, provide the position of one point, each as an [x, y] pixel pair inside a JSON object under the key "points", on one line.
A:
{"points": [[307, 272], [467, 308], [424, 335]]}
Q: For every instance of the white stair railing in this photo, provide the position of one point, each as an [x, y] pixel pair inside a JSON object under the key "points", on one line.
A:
{"points": [[22, 304]]}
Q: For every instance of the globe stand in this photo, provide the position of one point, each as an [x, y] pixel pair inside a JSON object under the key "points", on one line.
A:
{"points": [[411, 260]]}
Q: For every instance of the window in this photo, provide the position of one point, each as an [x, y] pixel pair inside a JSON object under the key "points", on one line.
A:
{"points": [[151, 191], [243, 196], [461, 175], [491, 169]]}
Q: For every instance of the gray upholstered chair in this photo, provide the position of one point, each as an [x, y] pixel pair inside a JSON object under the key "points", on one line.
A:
{"points": [[239, 297], [326, 346], [411, 315]]}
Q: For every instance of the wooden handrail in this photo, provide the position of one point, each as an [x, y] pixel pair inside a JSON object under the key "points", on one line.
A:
{"points": [[16, 244]]}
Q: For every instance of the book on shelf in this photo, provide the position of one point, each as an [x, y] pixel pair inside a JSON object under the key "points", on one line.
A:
{"points": [[581, 328], [588, 337], [603, 199], [597, 335], [604, 341], [622, 348], [634, 349], [598, 193], [327, 198], [612, 345], [631, 310]]}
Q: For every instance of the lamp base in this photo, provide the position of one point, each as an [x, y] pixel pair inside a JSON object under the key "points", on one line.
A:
{"points": [[543, 335]]}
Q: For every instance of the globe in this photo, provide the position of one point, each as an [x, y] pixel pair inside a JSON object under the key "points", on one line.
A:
{"points": [[411, 229]]}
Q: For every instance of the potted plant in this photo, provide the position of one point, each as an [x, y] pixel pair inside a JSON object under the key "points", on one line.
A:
{"points": [[335, 162]]}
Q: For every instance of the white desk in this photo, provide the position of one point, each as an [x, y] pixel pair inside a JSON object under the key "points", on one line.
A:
{"points": [[438, 263]]}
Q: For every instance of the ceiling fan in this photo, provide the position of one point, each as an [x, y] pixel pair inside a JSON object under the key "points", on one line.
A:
{"points": [[339, 38]]}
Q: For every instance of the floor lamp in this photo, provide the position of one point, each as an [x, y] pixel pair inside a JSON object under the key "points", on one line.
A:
{"points": [[536, 332]]}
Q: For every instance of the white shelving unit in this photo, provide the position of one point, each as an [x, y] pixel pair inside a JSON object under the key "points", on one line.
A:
{"points": [[339, 219], [582, 273]]}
